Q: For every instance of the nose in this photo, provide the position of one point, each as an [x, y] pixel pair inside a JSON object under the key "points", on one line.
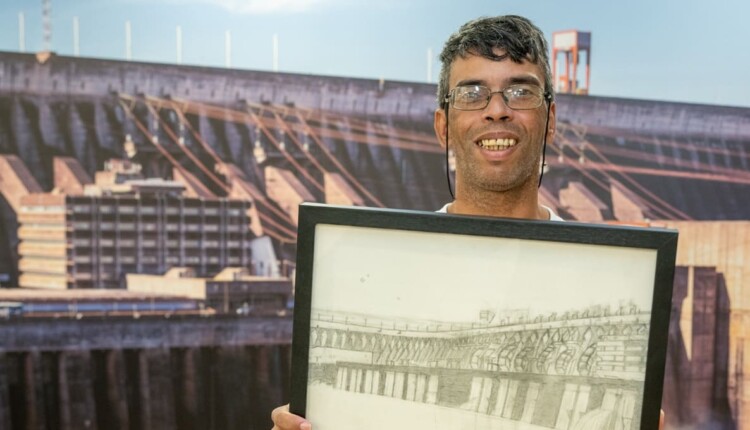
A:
{"points": [[497, 109]]}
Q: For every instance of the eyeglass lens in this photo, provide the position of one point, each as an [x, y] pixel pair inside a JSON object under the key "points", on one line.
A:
{"points": [[474, 97]]}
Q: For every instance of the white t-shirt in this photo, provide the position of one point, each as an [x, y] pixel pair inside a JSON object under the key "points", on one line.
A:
{"points": [[552, 216]]}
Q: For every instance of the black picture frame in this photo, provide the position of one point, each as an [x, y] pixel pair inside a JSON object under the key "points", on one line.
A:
{"points": [[588, 366]]}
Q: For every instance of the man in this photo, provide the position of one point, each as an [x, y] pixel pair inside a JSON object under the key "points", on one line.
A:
{"points": [[496, 112]]}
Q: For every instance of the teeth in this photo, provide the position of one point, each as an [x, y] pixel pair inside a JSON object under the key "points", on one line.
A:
{"points": [[496, 144]]}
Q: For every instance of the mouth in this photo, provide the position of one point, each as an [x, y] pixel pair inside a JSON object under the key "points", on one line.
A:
{"points": [[496, 144]]}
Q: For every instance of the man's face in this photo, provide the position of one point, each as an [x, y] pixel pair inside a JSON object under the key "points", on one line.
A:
{"points": [[497, 148]]}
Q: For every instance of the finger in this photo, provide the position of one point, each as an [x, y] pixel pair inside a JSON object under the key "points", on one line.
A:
{"points": [[276, 412], [661, 420], [285, 420]]}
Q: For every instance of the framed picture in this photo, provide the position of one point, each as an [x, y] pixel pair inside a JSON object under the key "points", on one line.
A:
{"points": [[409, 319]]}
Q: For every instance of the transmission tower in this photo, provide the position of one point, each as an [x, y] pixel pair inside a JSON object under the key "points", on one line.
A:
{"points": [[47, 23]]}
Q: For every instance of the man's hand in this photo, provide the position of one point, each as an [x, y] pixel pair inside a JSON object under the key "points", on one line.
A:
{"points": [[285, 420]]}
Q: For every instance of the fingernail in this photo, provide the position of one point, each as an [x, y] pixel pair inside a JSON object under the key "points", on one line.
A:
{"points": [[305, 426]]}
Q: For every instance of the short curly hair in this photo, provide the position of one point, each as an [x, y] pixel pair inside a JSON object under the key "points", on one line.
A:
{"points": [[517, 36]]}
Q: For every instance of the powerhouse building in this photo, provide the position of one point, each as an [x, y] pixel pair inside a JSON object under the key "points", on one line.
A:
{"points": [[129, 225]]}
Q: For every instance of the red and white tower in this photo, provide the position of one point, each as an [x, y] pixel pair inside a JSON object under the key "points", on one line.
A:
{"points": [[571, 43]]}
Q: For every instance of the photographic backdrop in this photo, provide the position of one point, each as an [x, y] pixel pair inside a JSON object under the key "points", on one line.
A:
{"points": [[153, 154]]}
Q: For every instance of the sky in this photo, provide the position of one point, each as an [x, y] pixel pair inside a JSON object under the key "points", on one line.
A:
{"points": [[673, 50]]}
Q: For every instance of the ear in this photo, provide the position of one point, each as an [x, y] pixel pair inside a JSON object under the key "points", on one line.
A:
{"points": [[552, 126], [441, 126]]}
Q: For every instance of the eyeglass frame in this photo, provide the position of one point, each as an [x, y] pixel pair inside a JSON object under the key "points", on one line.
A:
{"points": [[450, 98]]}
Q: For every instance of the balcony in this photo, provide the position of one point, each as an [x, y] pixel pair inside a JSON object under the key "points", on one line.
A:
{"points": [[41, 218], [82, 259], [28, 232], [81, 242], [43, 265], [39, 249]]}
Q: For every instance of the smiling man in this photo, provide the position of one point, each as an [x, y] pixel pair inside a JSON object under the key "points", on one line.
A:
{"points": [[496, 113]]}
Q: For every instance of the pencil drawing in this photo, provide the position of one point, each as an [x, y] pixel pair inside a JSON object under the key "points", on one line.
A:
{"points": [[567, 370]]}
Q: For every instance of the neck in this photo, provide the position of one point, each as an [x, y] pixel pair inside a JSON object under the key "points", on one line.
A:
{"points": [[515, 203]]}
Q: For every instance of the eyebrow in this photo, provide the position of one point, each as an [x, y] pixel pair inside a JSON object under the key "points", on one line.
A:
{"points": [[470, 82], [524, 79]]}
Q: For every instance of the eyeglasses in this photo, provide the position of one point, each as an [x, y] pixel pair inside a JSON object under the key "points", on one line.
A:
{"points": [[516, 97]]}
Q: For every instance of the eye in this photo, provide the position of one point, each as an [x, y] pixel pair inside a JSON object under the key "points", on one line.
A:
{"points": [[521, 91], [472, 94]]}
